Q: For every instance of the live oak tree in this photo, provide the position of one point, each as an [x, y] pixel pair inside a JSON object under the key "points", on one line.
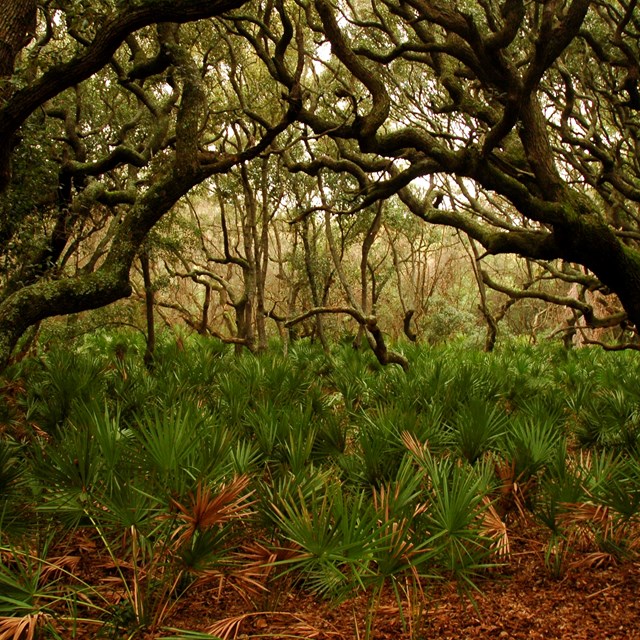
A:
{"points": [[514, 122], [128, 127], [533, 107], [234, 223]]}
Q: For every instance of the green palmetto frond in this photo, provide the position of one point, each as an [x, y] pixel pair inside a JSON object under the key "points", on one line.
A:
{"points": [[10, 468], [285, 435], [68, 381], [596, 506], [379, 452], [476, 428], [39, 592], [531, 444], [169, 444], [614, 481], [336, 534], [610, 420], [397, 550], [188, 368], [455, 497]]}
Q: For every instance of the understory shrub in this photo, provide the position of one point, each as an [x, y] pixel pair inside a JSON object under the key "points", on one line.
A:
{"points": [[316, 471]]}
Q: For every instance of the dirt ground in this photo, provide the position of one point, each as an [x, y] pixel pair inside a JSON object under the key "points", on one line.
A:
{"points": [[520, 601]]}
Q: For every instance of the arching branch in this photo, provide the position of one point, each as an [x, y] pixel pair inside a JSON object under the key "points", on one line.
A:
{"points": [[370, 323]]}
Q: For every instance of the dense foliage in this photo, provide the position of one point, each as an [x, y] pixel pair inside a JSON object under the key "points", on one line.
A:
{"points": [[123, 491], [305, 143]]}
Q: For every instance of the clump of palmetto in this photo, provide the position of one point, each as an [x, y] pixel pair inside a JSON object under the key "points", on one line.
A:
{"points": [[262, 474]]}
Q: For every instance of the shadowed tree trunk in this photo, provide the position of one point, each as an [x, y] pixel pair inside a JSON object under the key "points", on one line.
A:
{"points": [[17, 27], [149, 303]]}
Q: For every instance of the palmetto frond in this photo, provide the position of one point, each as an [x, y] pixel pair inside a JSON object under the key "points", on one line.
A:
{"points": [[22, 628], [599, 532], [417, 449], [495, 529], [205, 510], [259, 561], [54, 567], [513, 494], [243, 580], [249, 569], [587, 513], [274, 624]]}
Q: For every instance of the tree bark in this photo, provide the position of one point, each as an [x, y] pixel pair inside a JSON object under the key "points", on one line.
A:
{"points": [[110, 282], [149, 303], [17, 27]]}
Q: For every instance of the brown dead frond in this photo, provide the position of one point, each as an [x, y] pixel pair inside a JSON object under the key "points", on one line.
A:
{"points": [[586, 513], [244, 584], [631, 533], [400, 544], [251, 569], [205, 510], [513, 493], [119, 565], [386, 495], [415, 447], [590, 525], [494, 528], [23, 628], [262, 560], [82, 542], [295, 626], [582, 520], [595, 560], [59, 565]]}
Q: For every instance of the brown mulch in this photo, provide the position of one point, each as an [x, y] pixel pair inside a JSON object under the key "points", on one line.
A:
{"points": [[525, 601], [516, 601]]}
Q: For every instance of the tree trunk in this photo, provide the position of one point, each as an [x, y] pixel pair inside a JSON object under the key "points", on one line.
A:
{"points": [[44, 299], [492, 325], [593, 244], [17, 27], [406, 326], [149, 309], [316, 298], [206, 305]]}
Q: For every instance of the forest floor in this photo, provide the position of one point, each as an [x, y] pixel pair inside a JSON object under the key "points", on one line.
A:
{"points": [[518, 601]]}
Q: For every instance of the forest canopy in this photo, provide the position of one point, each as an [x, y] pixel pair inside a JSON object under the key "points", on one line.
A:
{"points": [[293, 158]]}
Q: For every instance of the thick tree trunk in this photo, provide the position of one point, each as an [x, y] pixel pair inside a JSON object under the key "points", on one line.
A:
{"points": [[44, 299], [593, 244], [17, 27]]}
